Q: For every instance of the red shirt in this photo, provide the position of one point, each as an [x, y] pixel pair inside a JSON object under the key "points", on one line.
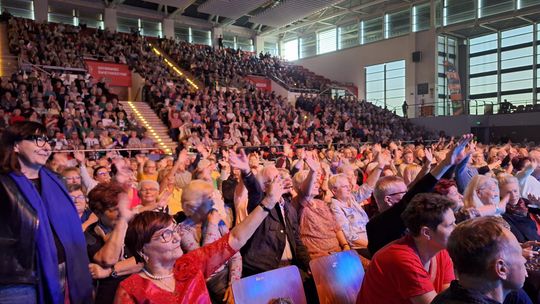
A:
{"points": [[396, 274], [190, 273]]}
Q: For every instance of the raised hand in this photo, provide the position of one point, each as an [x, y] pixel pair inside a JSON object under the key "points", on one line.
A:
{"points": [[312, 162], [239, 161], [275, 190], [452, 157], [428, 156], [79, 157]]}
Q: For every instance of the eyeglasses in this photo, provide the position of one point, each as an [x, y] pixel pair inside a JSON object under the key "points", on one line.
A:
{"points": [[40, 140], [102, 173], [69, 178], [78, 197], [396, 193], [167, 235], [149, 190]]}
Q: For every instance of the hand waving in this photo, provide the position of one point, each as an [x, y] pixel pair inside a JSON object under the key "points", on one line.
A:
{"points": [[239, 161]]}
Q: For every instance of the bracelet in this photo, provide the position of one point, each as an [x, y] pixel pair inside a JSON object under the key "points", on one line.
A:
{"points": [[265, 208]]}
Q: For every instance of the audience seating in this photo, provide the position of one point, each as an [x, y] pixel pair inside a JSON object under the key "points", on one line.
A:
{"points": [[262, 288], [338, 277]]}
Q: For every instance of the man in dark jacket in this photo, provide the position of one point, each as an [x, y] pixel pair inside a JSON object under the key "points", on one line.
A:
{"points": [[388, 225]]}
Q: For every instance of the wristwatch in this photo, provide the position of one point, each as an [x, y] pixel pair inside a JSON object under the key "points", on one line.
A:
{"points": [[114, 274]]}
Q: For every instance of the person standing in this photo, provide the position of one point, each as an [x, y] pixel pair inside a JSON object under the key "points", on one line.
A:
{"points": [[42, 247]]}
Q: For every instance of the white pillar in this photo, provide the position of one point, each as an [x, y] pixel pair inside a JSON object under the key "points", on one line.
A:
{"points": [[110, 19], [168, 28], [41, 10], [259, 44], [216, 32]]}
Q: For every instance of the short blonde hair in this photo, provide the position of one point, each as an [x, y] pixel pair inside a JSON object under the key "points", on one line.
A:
{"points": [[194, 192]]}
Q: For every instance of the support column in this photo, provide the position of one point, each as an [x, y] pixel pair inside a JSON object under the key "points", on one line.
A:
{"points": [[216, 32], [110, 19], [259, 44], [168, 28], [41, 10]]}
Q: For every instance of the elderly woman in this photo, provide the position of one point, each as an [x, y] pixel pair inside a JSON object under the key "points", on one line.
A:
{"points": [[168, 275], [79, 198], [111, 262], [319, 230], [150, 200], [347, 208], [198, 230], [482, 193], [517, 212], [43, 263]]}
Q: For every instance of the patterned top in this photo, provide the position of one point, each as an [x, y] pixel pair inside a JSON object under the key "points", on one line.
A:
{"points": [[193, 236], [353, 219], [190, 272], [318, 228]]}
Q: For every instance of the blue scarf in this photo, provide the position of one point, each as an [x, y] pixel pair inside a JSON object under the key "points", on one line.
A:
{"points": [[56, 210]]}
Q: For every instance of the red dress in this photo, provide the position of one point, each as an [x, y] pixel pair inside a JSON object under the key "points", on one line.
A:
{"points": [[190, 273]]}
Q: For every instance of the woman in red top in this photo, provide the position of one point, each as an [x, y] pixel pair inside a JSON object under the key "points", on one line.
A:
{"points": [[169, 276]]}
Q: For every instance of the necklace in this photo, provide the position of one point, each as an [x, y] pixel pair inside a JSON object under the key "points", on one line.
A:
{"points": [[157, 278]]}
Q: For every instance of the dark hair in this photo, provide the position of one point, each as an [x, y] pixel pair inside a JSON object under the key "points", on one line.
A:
{"points": [[104, 196], [9, 160], [141, 229], [425, 209], [442, 187], [74, 187], [97, 169], [474, 243], [519, 162]]}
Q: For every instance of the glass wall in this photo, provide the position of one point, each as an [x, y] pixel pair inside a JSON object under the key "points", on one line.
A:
{"points": [[271, 48], [308, 45], [150, 28], [127, 24], [372, 30], [397, 24], [58, 14], [348, 36], [501, 67], [326, 41], [91, 19], [18, 8], [446, 52], [245, 44], [385, 85], [201, 37], [421, 17], [290, 50]]}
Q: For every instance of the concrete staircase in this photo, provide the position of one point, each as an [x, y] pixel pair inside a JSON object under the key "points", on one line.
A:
{"points": [[8, 62], [146, 116]]}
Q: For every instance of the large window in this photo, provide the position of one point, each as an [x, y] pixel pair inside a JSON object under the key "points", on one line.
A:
{"points": [[127, 24], [447, 50], [91, 19], [348, 36], [182, 34], [229, 41], [290, 50], [326, 41], [308, 45], [150, 28], [271, 48], [492, 7], [501, 68], [201, 36], [245, 44], [59, 14], [455, 11], [18, 8], [396, 24], [385, 85], [421, 17], [372, 30]]}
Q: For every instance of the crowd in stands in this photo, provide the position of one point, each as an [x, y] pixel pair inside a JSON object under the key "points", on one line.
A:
{"points": [[128, 228]]}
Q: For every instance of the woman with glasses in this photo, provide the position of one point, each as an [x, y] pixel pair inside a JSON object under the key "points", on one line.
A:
{"points": [[111, 261], [79, 198], [168, 275], [42, 247]]}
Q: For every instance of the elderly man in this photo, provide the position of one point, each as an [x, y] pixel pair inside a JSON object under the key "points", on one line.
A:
{"points": [[389, 190], [276, 243], [488, 260]]}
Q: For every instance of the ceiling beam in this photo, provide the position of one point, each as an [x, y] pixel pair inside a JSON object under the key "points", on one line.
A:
{"points": [[180, 10], [330, 16]]}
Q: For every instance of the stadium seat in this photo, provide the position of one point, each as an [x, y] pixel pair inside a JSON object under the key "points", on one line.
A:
{"points": [[281, 283], [338, 277]]}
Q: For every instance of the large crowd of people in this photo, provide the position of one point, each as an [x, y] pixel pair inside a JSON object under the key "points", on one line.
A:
{"points": [[255, 184]]}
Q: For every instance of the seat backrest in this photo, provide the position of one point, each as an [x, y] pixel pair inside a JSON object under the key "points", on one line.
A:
{"points": [[338, 277], [261, 288]]}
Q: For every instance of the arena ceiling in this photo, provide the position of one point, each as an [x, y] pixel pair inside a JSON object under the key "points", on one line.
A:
{"points": [[268, 17]]}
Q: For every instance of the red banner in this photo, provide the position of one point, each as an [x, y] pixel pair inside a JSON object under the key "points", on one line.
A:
{"points": [[260, 83], [117, 75]]}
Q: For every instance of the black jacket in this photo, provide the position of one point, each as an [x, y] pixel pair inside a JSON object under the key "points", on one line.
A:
{"points": [[264, 249], [388, 225], [18, 226]]}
